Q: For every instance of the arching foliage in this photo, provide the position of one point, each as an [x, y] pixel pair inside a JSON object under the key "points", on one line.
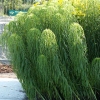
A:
{"points": [[50, 52]]}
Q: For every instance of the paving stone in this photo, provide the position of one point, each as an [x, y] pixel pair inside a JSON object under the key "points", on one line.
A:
{"points": [[11, 89]]}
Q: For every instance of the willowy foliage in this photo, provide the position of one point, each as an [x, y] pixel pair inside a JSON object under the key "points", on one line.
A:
{"points": [[88, 15], [95, 73], [49, 53]]}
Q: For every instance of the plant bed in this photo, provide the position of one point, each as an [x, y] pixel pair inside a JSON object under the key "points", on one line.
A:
{"points": [[6, 71], [5, 68]]}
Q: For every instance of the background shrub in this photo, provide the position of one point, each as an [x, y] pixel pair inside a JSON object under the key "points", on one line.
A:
{"points": [[88, 15], [16, 5], [12, 5]]}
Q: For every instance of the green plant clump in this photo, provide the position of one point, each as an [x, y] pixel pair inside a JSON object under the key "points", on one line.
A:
{"points": [[88, 15], [48, 50], [11, 5]]}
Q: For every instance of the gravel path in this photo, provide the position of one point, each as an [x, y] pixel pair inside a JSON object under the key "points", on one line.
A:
{"points": [[8, 75]]}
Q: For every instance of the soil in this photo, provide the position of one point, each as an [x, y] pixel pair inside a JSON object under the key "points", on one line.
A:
{"points": [[6, 71], [5, 68]]}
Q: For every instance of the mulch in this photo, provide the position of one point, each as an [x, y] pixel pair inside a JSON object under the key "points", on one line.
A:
{"points": [[6, 71], [5, 68]]}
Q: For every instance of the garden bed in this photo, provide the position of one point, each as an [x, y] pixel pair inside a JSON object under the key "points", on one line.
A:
{"points": [[5, 68], [6, 71]]}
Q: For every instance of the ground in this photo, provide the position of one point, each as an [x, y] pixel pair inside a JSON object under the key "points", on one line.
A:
{"points": [[5, 68], [6, 71]]}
